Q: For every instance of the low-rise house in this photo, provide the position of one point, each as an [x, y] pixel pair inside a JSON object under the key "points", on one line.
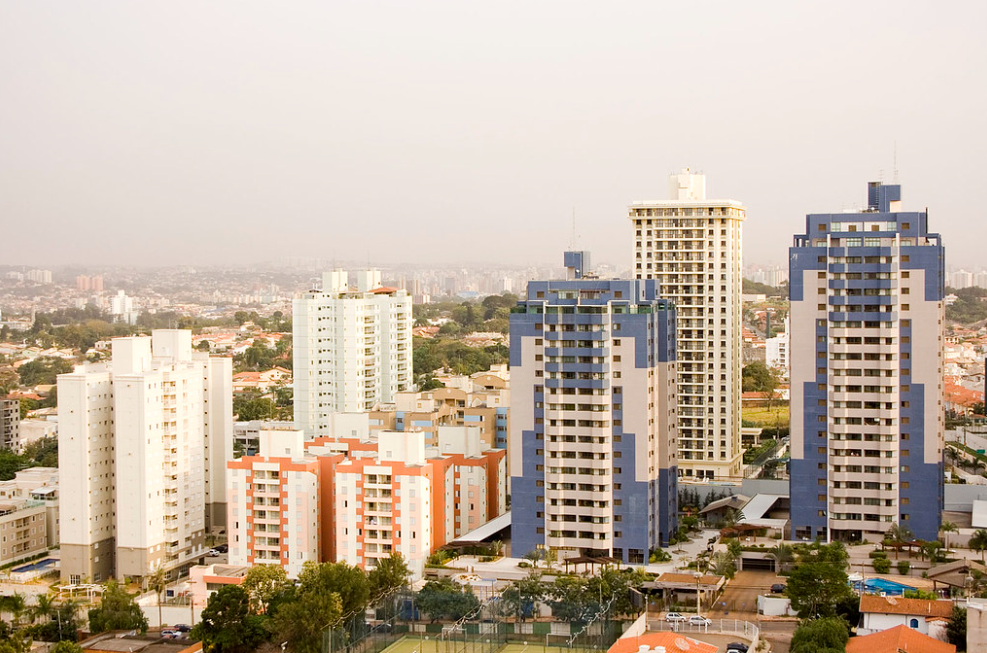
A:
{"points": [[896, 640], [878, 613]]}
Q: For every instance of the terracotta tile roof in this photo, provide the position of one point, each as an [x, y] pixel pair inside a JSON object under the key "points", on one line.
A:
{"points": [[912, 607], [899, 638], [672, 643]]}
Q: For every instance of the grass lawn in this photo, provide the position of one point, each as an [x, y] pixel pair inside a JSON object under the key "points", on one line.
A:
{"points": [[763, 416]]}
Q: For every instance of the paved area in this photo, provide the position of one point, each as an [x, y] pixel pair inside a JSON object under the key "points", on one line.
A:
{"points": [[740, 595]]}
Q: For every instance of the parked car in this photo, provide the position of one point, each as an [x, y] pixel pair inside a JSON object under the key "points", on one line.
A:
{"points": [[223, 548], [674, 616], [737, 647], [169, 634], [778, 588], [182, 628], [697, 620], [212, 553]]}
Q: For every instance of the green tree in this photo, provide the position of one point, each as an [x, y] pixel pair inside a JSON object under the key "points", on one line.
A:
{"points": [[757, 377], [446, 599], [42, 452], [819, 582], [117, 610], [898, 534], [10, 464], [388, 576], [783, 555], [43, 371], [157, 581], [827, 635], [946, 528], [978, 541], [263, 584], [227, 625], [567, 597], [956, 628], [250, 406], [520, 596], [66, 646], [327, 594]]}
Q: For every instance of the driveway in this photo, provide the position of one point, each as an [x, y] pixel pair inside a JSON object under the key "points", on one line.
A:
{"points": [[740, 595]]}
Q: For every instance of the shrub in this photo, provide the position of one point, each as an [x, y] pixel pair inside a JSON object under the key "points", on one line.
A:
{"points": [[882, 565], [903, 567], [878, 554]]}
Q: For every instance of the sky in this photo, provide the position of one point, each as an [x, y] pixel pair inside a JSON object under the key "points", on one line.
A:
{"points": [[155, 133]]}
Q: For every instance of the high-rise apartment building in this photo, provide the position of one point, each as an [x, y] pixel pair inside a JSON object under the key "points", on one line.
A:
{"points": [[693, 247], [352, 348], [866, 372], [10, 419], [592, 440], [144, 434]]}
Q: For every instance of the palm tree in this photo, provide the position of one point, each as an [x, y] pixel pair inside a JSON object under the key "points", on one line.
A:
{"points": [[43, 609], [899, 534], [157, 580], [783, 554], [978, 542], [947, 528]]}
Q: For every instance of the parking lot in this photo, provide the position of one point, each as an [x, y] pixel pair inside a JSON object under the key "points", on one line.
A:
{"points": [[740, 595]]}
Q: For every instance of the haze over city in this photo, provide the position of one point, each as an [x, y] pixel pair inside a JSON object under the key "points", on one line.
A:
{"points": [[160, 133]]}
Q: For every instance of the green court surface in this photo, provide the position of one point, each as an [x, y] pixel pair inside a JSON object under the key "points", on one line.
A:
{"points": [[416, 644]]}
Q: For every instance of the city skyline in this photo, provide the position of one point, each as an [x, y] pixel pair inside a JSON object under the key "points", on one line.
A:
{"points": [[405, 134]]}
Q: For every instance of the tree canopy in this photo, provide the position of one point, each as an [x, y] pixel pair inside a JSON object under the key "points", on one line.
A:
{"points": [[819, 582], [227, 624], [827, 635], [446, 599], [117, 610]]}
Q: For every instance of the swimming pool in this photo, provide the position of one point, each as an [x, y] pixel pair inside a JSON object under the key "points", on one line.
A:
{"points": [[879, 585], [35, 566]]}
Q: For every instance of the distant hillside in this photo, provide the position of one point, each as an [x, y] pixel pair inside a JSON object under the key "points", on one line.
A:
{"points": [[969, 307]]}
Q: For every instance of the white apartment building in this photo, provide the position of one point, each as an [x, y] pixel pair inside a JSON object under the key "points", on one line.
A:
{"points": [[352, 348], [273, 503], [776, 351], [139, 430], [693, 246]]}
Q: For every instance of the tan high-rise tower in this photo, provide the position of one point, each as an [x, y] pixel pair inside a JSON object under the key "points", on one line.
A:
{"points": [[693, 246]]}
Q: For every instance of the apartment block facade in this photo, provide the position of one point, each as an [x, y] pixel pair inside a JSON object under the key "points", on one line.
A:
{"points": [[593, 430], [866, 372], [360, 499], [693, 246], [352, 348], [10, 420], [142, 492]]}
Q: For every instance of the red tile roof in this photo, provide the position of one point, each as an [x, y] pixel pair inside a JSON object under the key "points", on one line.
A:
{"points": [[894, 640], [912, 607], [672, 642]]}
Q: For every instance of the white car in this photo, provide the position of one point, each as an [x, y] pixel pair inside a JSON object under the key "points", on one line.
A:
{"points": [[697, 620], [674, 616]]}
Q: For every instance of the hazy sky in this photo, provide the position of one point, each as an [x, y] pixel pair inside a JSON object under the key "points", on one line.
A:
{"points": [[415, 131]]}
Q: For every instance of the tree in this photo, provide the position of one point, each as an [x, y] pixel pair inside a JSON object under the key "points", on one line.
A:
{"points": [[446, 599], [520, 596], [946, 528], [757, 377], [828, 635], [819, 582], [117, 610], [899, 534], [263, 584], [249, 406], [956, 628], [978, 542], [65, 646], [783, 555], [567, 596], [227, 625], [157, 581], [43, 371], [327, 594], [388, 576]]}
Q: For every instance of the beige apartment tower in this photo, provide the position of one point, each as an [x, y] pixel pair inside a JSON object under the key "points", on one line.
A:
{"points": [[693, 247]]}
